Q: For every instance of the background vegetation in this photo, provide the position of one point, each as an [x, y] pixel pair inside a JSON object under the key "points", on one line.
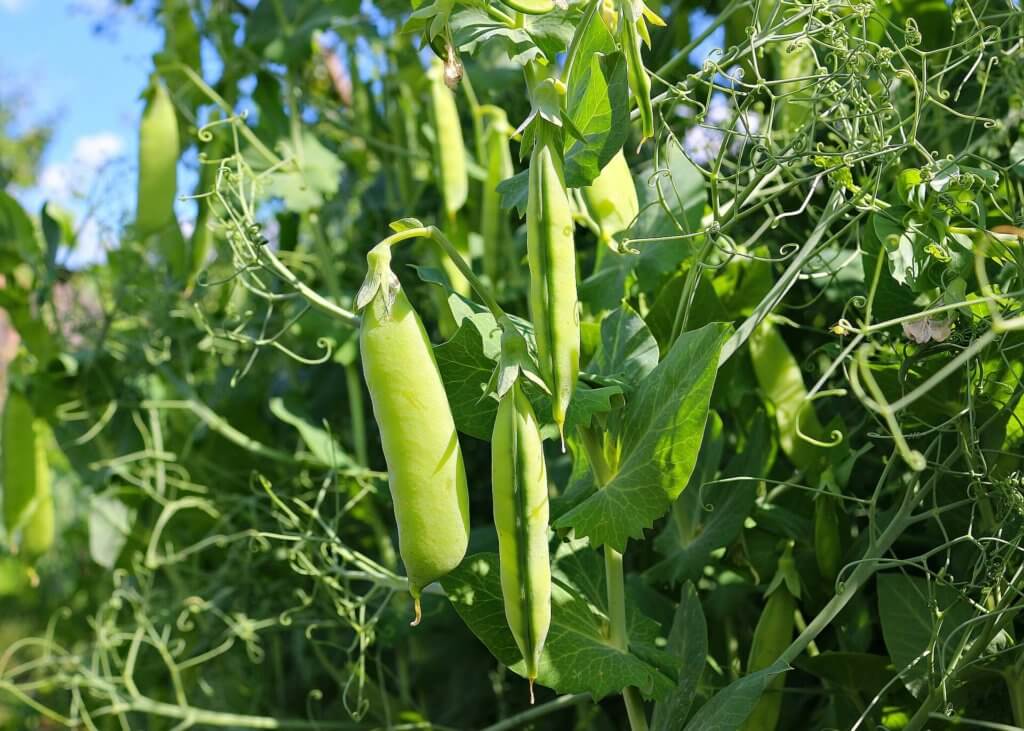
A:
{"points": [[843, 185]]}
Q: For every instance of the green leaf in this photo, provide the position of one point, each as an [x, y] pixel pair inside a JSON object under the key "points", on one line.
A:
{"points": [[598, 106], [730, 707], [909, 608], [578, 657], [705, 307], [309, 186], [628, 350], [466, 369], [687, 640], [110, 524], [859, 671], [661, 436], [317, 440], [722, 507], [18, 240], [514, 192]]}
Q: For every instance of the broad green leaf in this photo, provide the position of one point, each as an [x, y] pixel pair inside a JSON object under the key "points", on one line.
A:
{"points": [[317, 440], [465, 370], [627, 350], [578, 657], [729, 707], [688, 641], [310, 183], [598, 106], [858, 671], [705, 307], [714, 514], [18, 240], [514, 191], [661, 435], [110, 524], [923, 624]]}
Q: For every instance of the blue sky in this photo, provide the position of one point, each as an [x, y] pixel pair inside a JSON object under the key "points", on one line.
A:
{"points": [[88, 85]]}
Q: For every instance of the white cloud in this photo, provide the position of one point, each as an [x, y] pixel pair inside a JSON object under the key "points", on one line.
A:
{"points": [[95, 151], [69, 178], [12, 6]]}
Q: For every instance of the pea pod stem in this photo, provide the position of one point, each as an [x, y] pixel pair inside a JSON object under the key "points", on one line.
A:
{"points": [[437, 236]]}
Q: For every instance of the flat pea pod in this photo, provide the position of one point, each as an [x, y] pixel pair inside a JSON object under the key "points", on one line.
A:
{"points": [[493, 219], [158, 161], [551, 254], [772, 635], [639, 80], [425, 468], [828, 548], [611, 199], [520, 493], [452, 175], [28, 501]]}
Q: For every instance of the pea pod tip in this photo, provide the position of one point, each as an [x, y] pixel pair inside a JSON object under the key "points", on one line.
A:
{"points": [[418, 610]]}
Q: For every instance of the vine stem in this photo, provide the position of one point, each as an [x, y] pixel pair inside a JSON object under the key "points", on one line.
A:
{"points": [[544, 709], [616, 583], [437, 236]]}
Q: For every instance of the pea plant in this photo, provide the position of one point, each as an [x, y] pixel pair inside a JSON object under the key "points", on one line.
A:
{"points": [[590, 364]]}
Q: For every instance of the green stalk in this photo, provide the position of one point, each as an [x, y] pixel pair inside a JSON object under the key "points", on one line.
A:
{"points": [[618, 633]]}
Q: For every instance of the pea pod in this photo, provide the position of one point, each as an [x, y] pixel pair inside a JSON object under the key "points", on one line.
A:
{"points": [[425, 469], [772, 635], [452, 177], [520, 493], [611, 199], [639, 82], [28, 502], [827, 543], [493, 219], [551, 254], [158, 161]]}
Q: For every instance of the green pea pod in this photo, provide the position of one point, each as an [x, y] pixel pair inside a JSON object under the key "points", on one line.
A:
{"points": [[520, 492], [639, 81], [493, 219], [611, 199], [421, 447], [158, 162], [781, 380], [551, 254], [772, 635], [28, 502], [828, 548], [452, 176]]}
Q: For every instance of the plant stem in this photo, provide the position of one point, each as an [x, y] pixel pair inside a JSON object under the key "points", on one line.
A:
{"points": [[618, 632], [544, 709]]}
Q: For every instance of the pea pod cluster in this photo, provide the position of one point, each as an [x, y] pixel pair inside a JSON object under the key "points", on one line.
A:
{"points": [[421, 447], [551, 253], [27, 498], [520, 495]]}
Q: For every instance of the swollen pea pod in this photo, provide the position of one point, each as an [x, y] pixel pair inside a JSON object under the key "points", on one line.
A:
{"points": [[452, 178], [28, 501], [425, 469], [772, 635], [611, 200], [551, 255], [520, 494], [493, 219], [158, 161]]}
